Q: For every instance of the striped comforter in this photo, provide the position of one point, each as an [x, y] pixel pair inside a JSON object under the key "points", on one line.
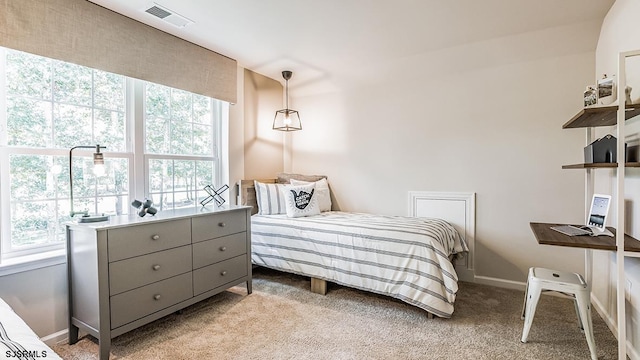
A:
{"points": [[403, 257]]}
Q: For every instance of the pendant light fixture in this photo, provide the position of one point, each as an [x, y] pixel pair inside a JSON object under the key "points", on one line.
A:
{"points": [[287, 119]]}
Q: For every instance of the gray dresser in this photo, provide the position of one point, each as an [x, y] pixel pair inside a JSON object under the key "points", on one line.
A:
{"points": [[130, 271]]}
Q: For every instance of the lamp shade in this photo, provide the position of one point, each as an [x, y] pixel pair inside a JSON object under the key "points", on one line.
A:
{"points": [[287, 120]]}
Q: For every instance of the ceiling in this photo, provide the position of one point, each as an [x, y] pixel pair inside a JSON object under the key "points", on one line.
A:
{"points": [[326, 42]]}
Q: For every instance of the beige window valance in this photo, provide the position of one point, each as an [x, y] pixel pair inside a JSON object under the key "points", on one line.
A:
{"points": [[84, 33]]}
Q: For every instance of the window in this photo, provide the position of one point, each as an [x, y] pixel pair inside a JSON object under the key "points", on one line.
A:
{"points": [[49, 106], [179, 145]]}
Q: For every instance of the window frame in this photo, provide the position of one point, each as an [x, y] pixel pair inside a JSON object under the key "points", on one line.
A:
{"points": [[217, 114]]}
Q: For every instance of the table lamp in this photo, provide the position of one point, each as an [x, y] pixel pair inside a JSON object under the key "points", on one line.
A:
{"points": [[98, 170]]}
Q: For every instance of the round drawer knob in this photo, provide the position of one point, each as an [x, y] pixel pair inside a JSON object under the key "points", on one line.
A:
{"points": [[156, 267], [221, 224], [223, 248], [223, 273], [156, 297], [155, 237]]}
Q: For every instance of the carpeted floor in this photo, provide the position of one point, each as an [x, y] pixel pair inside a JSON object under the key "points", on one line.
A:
{"points": [[282, 319]]}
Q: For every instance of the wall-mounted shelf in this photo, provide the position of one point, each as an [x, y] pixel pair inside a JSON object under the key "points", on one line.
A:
{"points": [[547, 236], [600, 116], [600, 165]]}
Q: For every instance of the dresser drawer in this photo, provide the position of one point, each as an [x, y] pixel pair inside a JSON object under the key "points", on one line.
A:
{"points": [[216, 225], [138, 240], [213, 276], [134, 272], [135, 304], [213, 251]]}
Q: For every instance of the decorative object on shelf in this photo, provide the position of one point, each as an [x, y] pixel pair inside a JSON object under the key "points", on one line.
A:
{"points": [[627, 95], [606, 90], [590, 96], [603, 150], [98, 170], [145, 207], [215, 195], [287, 119]]}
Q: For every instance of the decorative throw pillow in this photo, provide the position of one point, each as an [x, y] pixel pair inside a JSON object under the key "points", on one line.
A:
{"points": [[301, 200], [322, 190], [285, 178], [270, 198]]}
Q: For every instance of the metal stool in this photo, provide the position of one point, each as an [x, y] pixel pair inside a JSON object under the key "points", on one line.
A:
{"points": [[567, 283]]}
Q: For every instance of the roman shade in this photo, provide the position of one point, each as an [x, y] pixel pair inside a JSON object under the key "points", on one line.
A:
{"points": [[84, 33]]}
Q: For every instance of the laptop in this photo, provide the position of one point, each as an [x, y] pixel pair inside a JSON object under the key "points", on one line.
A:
{"points": [[596, 219]]}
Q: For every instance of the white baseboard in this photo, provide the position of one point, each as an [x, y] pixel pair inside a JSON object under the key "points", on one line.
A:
{"points": [[508, 284], [60, 337]]}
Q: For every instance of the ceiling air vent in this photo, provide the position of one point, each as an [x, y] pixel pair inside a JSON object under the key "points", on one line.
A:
{"points": [[167, 15]]}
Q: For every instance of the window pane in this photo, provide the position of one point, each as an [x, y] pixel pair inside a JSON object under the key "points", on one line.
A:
{"points": [[157, 135], [204, 174], [180, 138], [157, 100], [180, 106], [35, 223], [201, 109], [160, 176], [204, 177], [184, 175], [72, 126], [30, 178], [108, 91], [28, 122], [72, 83], [202, 140], [114, 182], [28, 75], [39, 202], [176, 183], [189, 129], [110, 129]]}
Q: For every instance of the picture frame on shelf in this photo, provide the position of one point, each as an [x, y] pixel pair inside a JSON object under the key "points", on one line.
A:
{"points": [[606, 90]]}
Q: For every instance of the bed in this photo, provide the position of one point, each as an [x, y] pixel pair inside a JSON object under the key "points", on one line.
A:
{"points": [[17, 340], [408, 258]]}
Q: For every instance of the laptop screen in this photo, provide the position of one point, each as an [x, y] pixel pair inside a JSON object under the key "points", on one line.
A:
{"points": [[599, 210]]}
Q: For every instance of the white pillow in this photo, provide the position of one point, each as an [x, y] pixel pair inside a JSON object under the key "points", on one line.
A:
{"points": [[322, 188], [270, 198], [301, 200]]}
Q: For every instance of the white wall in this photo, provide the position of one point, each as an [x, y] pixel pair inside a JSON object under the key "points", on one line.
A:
{"points": [[621, 32], [485, 117], [263, 148], [39, 297]]}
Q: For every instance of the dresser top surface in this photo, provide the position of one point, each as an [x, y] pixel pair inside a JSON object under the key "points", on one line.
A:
{"points": [[117, 221]]}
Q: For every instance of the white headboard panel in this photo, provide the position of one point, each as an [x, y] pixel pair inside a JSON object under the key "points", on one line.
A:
{"points": [[459, 209]]}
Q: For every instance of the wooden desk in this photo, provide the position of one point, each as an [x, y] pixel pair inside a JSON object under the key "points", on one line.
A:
{"points": [[546, 236]]}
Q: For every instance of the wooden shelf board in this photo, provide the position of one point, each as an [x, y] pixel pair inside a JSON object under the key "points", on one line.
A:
{"points": [[600, 116], [545, 235], [600, 165]]}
